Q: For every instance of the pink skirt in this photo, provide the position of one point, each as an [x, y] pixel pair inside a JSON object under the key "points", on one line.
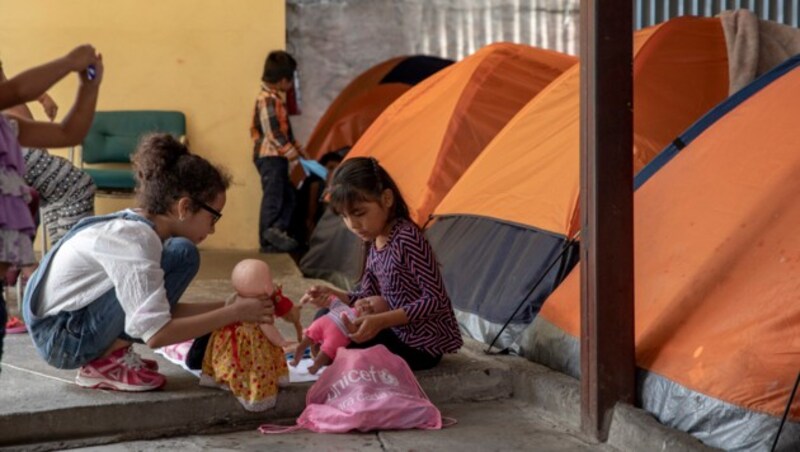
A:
{"points": [[16, 222]]}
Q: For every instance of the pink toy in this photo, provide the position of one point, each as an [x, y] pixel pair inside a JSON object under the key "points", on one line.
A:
{"points": [[326, 334], [329, 333]]}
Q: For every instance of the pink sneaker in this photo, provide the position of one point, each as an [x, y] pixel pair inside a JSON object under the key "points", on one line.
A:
{"points": [[149, 364], [122, 370]]}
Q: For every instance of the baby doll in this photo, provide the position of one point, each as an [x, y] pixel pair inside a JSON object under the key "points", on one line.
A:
{"points": [[329, 332], [248, 358]]}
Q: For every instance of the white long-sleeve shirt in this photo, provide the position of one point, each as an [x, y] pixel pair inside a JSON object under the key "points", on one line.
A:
{"points": [[120, 254]]}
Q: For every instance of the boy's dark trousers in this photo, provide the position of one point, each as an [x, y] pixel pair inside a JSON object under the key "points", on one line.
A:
{"points": [[277, 201]]}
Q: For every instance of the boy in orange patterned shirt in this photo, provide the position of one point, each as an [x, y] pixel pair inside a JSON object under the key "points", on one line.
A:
{"points": [[275, 152]]}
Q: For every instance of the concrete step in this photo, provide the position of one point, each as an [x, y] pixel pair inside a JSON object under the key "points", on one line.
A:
{"points": [[499, 425], [43, 406]]}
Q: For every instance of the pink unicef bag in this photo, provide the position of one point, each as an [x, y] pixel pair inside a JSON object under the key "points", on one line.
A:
{"points": [[364, 390]]}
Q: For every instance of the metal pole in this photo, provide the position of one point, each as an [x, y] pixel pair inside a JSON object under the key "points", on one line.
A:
{"points": [[607, 350]]}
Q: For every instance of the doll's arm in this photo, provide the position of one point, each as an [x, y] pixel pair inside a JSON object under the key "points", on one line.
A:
{"points": [[298, 328], [300, 350], [274, 335], [293, 317]]}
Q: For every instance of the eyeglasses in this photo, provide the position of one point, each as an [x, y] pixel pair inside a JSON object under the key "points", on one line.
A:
{"points": [[214, 212]]}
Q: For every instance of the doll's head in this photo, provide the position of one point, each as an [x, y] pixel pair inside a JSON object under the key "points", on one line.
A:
{"points": [[251, 278]]}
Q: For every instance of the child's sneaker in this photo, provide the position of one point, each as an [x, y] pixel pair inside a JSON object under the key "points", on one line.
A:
{"points": [[123, 370], [149, 364]]}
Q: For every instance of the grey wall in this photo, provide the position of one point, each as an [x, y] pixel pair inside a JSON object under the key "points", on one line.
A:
{"points": [[651, 12], [335, 40]]}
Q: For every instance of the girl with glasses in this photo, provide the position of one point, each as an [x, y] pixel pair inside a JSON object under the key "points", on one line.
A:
{"points": [[117, 279]]}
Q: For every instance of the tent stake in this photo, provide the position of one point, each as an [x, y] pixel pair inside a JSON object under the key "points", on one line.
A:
{"points": [[567, 245], [785, 413]]}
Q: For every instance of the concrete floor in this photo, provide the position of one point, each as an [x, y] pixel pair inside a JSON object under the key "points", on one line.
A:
{"points": [[500, 402]]}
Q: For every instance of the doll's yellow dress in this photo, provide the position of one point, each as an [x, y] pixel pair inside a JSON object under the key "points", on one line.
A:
{"points": [[241, 359]]}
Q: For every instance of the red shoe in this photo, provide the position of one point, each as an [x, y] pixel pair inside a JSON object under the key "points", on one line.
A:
{"points": [[123, 370], [15, 326]]}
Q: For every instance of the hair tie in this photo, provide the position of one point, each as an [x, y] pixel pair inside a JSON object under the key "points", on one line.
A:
{"points": [[174, 150]]}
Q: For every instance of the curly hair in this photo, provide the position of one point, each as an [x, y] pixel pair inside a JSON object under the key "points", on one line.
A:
{"points": [[166, 170]]}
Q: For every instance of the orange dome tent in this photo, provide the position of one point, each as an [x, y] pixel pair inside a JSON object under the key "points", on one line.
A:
{"points": [[364, 98], [506, 224], [717, 293], [431, 134], [442, 126]]}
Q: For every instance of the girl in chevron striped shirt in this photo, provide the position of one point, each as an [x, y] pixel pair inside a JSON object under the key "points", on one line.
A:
{"points": [[413, 316]]}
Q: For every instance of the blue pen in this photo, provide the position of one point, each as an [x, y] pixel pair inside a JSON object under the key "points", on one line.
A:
{"points": [[91, 72]]}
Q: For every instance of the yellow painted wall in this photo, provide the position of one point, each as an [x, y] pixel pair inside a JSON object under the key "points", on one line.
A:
{"points": [[201, 57]]}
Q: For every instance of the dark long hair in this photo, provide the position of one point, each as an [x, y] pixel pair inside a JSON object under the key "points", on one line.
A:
{"points": [[166, 170], [363, 179]]}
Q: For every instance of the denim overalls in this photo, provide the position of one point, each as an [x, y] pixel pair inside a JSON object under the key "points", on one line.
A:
{"points": [[71, 339]]}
